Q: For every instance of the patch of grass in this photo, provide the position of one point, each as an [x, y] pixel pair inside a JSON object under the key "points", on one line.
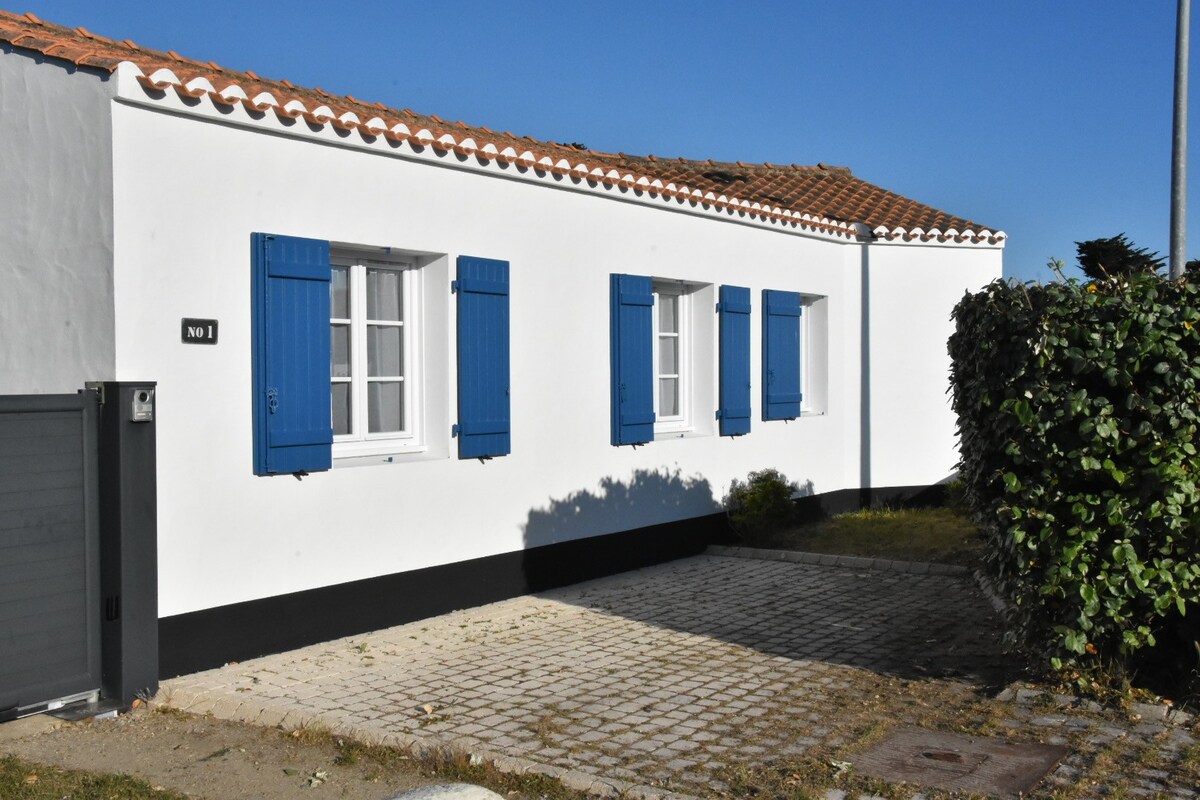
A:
{"points": [[444, 765], [23, 780], [806, 778], [459, 767], [312, 732], [939, 535]]}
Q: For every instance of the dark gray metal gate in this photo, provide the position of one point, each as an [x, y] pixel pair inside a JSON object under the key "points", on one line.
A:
{"points": [[49, 550]]}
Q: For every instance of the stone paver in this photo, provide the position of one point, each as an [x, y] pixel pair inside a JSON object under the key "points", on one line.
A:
{"points": [[659, 682]]}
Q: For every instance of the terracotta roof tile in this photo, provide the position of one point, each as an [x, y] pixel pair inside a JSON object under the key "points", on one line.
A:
{"points": [[831, 197], [832, 192]]}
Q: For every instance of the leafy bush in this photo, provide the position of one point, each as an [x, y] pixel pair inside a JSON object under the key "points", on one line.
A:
{"points": [[762, 504], [1078, 413]]}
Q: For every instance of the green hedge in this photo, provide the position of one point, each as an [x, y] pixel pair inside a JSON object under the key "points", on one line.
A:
{"points": [[1078, 413]]}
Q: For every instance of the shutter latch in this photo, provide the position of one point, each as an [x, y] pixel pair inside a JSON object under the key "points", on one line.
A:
{"points": [[272, 400]]}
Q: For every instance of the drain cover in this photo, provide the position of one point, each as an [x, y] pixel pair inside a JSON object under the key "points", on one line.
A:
{"points": [[956, 762]]}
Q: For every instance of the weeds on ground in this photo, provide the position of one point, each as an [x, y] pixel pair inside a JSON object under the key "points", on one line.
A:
{"points": [[312, 732], [445, 765], [22, 780], [168, 710], [457, 766], [549, 725]]}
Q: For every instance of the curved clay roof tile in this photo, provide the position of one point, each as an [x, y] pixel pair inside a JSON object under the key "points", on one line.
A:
{"points": [[812, 195]]}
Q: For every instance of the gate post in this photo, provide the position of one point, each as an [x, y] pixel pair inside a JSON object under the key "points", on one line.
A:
{"points": [[128, 540]]}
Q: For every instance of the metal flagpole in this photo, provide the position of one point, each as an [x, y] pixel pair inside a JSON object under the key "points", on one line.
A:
{"points": [[1179, 142]]}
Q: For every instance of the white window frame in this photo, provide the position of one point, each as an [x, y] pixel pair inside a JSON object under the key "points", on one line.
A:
{"points": [[360, 442], [814, 355], [683, 422]]}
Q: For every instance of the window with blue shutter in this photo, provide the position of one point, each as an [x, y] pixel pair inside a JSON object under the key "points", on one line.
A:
{"points": [[632, 372], [781, 354], [733, 312], [290, 362], [484, 417]]}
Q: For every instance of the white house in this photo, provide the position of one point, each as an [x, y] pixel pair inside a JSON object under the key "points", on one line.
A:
{"points": [[404, 365]]}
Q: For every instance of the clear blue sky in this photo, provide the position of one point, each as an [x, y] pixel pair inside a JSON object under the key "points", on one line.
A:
{"points": [[1048, 120]]}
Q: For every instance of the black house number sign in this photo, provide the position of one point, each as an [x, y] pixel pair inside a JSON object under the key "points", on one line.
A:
{"points": [[199, 331]]}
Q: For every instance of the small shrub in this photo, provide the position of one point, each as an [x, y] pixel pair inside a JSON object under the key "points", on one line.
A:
{"points": [[762, 504]]}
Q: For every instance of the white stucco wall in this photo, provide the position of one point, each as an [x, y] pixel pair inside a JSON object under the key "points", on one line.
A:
{"points": [[911, 291], [188, 193], [56, 307]]}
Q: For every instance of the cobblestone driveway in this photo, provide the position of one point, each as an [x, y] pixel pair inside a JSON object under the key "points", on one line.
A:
{"points": [[680, 677]]}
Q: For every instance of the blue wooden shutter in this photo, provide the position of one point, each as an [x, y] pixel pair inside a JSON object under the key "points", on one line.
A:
{"points": [[290, 363], [484, 426], [631, 340], [733, 313], [781, 354]]}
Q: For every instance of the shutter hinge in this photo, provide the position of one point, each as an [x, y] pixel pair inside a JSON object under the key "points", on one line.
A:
{"points": [[455, 429], [453, 287], [718, 308], [720, 413]]}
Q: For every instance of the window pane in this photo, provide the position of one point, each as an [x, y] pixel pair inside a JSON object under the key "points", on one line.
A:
{"points": [[668, 397], [385, 407], [667, 318], [668, 349], [384, 294], [384, 351], [339, 351], [341, 408], [339, 293]]}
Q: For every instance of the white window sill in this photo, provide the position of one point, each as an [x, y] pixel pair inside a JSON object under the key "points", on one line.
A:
{"points": [[671, 434], [357, 454]]}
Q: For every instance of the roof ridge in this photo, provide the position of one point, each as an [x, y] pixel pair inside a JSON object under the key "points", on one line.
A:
{"points": [[711, 164]]}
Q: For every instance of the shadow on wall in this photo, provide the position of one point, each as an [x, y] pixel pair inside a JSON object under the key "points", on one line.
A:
{"points": [[648, 499]]}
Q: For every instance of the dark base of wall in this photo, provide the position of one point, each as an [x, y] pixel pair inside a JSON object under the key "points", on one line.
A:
{"points": [[206, 639]]}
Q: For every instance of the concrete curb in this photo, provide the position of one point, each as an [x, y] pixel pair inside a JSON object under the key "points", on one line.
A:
{"points": [[989, 591], [1168, 715], [180, 698], [827, 560]]}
